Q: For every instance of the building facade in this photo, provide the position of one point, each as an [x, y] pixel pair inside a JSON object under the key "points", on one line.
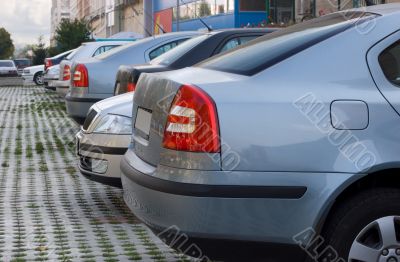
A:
{"points": [[60, 9], [175, 15]]}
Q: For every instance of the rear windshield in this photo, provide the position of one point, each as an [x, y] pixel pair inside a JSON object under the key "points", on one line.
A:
{"points": [[6, 64], [176, 53], [273, 48], [22, 62], [73, 53]]}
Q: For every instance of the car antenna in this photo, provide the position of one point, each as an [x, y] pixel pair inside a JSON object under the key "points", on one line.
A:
{"points": [[147, 14], [201, 20]]}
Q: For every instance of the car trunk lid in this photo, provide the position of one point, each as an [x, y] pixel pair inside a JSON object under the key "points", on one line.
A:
{"points": [[153, 98]]}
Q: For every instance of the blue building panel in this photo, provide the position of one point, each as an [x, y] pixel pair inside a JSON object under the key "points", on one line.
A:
{"points": [[220, 21], [215, 22]]}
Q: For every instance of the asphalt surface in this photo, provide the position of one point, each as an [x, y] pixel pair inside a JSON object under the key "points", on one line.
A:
{"points": [[48, 211]]}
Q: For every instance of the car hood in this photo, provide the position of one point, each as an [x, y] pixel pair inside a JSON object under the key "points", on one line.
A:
{"points": [[119, 105]]}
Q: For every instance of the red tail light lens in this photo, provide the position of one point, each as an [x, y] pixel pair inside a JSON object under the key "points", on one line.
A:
{"points": [[131, 87], [192, 123], [67, 73], [81, 76], [47, 63]]}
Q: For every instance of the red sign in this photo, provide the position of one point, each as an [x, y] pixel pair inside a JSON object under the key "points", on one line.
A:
{"points": [[163, 19]]}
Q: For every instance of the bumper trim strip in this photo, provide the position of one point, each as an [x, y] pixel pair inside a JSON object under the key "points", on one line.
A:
{"points": [[201, 190], [103, 149]]}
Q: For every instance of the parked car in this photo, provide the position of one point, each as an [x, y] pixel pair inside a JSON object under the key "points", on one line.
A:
{"points": [[104, 139], [94, 78], [90, 49], [8, 68], [22, 63], [289, 139], [116, 112], [55, 60], [50, 75], [187, 54], [33, 74]]}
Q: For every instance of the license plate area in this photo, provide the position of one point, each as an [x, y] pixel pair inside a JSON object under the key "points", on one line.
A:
{"points": [[143, 122]]}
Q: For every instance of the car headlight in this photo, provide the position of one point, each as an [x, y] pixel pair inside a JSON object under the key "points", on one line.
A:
{"points": [[114, 124], [26, 71]]}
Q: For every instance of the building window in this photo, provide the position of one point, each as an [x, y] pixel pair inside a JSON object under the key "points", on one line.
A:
{"points": [[253, 5], [203, 8], [281, 11]]}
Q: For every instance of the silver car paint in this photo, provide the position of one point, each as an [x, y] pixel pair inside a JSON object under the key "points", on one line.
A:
{"points": [[276, 142]]}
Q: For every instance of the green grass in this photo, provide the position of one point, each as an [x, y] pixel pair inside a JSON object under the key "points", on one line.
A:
{"points": [[39, 148]]}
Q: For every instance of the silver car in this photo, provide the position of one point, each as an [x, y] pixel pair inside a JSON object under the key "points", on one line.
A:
{"points": [[8, 68], [86, 50], [93, 78], [104, 139], [291, 142]]}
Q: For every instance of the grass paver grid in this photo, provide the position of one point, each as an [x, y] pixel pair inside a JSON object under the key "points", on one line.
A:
{"points": [[48, 211]]}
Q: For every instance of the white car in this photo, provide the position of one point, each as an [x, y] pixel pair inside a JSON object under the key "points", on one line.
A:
{"points": [[50, 76], [104, 139], [61, 81], [8, 68], [33, 74]]}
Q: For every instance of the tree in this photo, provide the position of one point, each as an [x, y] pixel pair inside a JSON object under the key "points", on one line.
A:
{"points": [[71, 34], [6, 44], [204, 9], [39, 52]]}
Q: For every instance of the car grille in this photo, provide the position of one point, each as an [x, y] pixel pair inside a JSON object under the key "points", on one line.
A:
{"points": [[89, 119]]}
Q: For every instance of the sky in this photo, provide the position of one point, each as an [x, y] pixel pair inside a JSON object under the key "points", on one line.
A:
{"points": [[26, 20]]}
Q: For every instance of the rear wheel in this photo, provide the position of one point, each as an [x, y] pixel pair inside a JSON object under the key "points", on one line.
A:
{"points": [[366, 227], [38, 78]]}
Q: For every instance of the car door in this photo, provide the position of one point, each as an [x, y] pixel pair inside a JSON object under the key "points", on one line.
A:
{"points": [[384, 62]]}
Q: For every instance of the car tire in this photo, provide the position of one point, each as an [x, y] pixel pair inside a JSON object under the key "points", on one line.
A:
{"points": [[364, 219], [38, 78]]}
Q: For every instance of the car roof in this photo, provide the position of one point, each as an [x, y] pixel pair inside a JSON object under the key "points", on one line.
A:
{"points": [[115, 42], [243, 30]]}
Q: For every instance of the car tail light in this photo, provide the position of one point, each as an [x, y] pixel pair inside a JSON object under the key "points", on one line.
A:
{"points": [[81, 77], [192, 123], [47, 63], [66, 73], [131, 87]]}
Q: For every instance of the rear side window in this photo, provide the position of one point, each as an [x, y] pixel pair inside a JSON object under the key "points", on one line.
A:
{"points": [[237, 41], [273, 48], [103, 49], [165, 48], [389, 61]]}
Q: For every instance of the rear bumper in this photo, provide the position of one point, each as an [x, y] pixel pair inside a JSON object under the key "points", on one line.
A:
{"points": [[221, 206], [77, 107]]}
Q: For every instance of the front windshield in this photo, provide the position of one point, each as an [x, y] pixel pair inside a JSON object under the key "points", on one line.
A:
{"points": [[171, 56]]}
